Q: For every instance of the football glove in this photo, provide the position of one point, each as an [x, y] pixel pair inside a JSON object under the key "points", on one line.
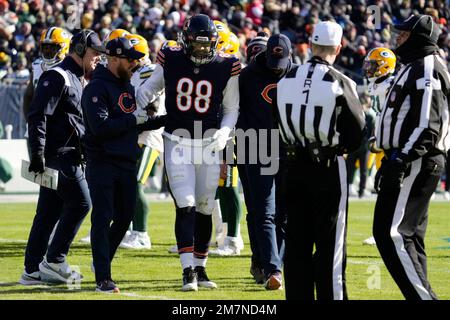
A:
{"points": [[36, 163], [140, 115], [143, 98], [220, 139]]}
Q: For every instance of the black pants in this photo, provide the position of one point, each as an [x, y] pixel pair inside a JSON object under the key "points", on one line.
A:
{"points": [[316, 206], [113, 192], [363, 156], [400, 222], [69, 204]]}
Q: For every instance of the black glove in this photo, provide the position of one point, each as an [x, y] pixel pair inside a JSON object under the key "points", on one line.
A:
{"points": [[393, 174], [36, 163]]}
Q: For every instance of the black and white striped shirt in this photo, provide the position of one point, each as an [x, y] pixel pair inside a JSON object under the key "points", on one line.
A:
{"points": [[415, 116], [318, 104]]}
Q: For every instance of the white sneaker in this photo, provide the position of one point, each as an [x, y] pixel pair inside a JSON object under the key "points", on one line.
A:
{"points": [[447, 195], [370, 241], [58, 272], [30, 279], [143, 240], [230, 248], [173, 249], [129, 241], [86, 239], [433, 196]]}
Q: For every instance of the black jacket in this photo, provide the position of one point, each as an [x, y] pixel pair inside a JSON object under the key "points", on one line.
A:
{"points": [[55, 122]]}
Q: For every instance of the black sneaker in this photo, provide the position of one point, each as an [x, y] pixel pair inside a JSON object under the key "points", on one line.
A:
{"points": [[257, 273], [189, 280], [107, 286], [202, 278]]}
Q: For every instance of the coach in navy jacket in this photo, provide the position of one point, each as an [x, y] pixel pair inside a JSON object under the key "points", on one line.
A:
{"points": [[265, 219], [55, 125], [112, 127]]}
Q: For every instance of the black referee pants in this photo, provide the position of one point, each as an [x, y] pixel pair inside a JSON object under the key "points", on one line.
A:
{"points": [[315, 255], [400, 222]]}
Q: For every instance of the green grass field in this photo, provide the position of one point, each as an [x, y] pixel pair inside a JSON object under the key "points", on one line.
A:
{"points": [[156, 274]]}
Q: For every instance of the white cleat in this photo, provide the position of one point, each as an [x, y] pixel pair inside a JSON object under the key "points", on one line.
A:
{"points": [[447, 195], [173, 249], [136, 240], [229, 248], [128, 240], [202, 278], [189, 280], [370, 241]]}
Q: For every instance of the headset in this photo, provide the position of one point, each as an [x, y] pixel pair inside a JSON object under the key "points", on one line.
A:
{"points": [[80, 47]]}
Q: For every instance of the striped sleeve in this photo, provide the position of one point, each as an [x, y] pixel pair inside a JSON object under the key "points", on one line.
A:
{"points": [[161, 58], [351, 123], [236, 68], [425, 96]]}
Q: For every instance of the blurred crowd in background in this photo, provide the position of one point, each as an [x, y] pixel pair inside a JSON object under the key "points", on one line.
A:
{"points": [[21, 23]]}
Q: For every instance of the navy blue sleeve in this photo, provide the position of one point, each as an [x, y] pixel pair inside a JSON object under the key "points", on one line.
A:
{"points": [[152, 123], [46, 97], [95, 111]]}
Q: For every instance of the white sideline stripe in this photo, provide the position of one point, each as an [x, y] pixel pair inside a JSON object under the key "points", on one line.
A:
{"points": [[62, 290], [338, 259], [397, 238], [13, 240], [135, 295], [369, 262]]}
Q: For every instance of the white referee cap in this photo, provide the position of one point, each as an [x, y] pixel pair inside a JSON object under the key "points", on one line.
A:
{"points": [[327, 33]]}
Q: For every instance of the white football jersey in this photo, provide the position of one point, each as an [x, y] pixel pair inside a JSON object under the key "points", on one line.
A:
{"points": [[378, 92], [152, 138], [39, 67]]}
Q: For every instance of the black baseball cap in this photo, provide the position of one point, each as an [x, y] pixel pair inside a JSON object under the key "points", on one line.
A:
{"points": [[122, 48], [420, 24], [278, 51]]}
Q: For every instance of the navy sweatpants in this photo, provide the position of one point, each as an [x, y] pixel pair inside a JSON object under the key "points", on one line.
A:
{"points": [[113, 193], [69, 204]]}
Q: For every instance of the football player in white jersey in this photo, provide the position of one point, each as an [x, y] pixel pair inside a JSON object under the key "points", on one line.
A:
{"points": [[378, 66], [54, 46], [227, 211], [151, 145]]}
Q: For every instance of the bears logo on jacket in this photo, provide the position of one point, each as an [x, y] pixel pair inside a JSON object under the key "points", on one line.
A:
{"points": [[124, 102]]}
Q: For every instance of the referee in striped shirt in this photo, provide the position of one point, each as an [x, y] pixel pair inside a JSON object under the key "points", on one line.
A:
{"points": [[413, 132], [320, 118]]}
